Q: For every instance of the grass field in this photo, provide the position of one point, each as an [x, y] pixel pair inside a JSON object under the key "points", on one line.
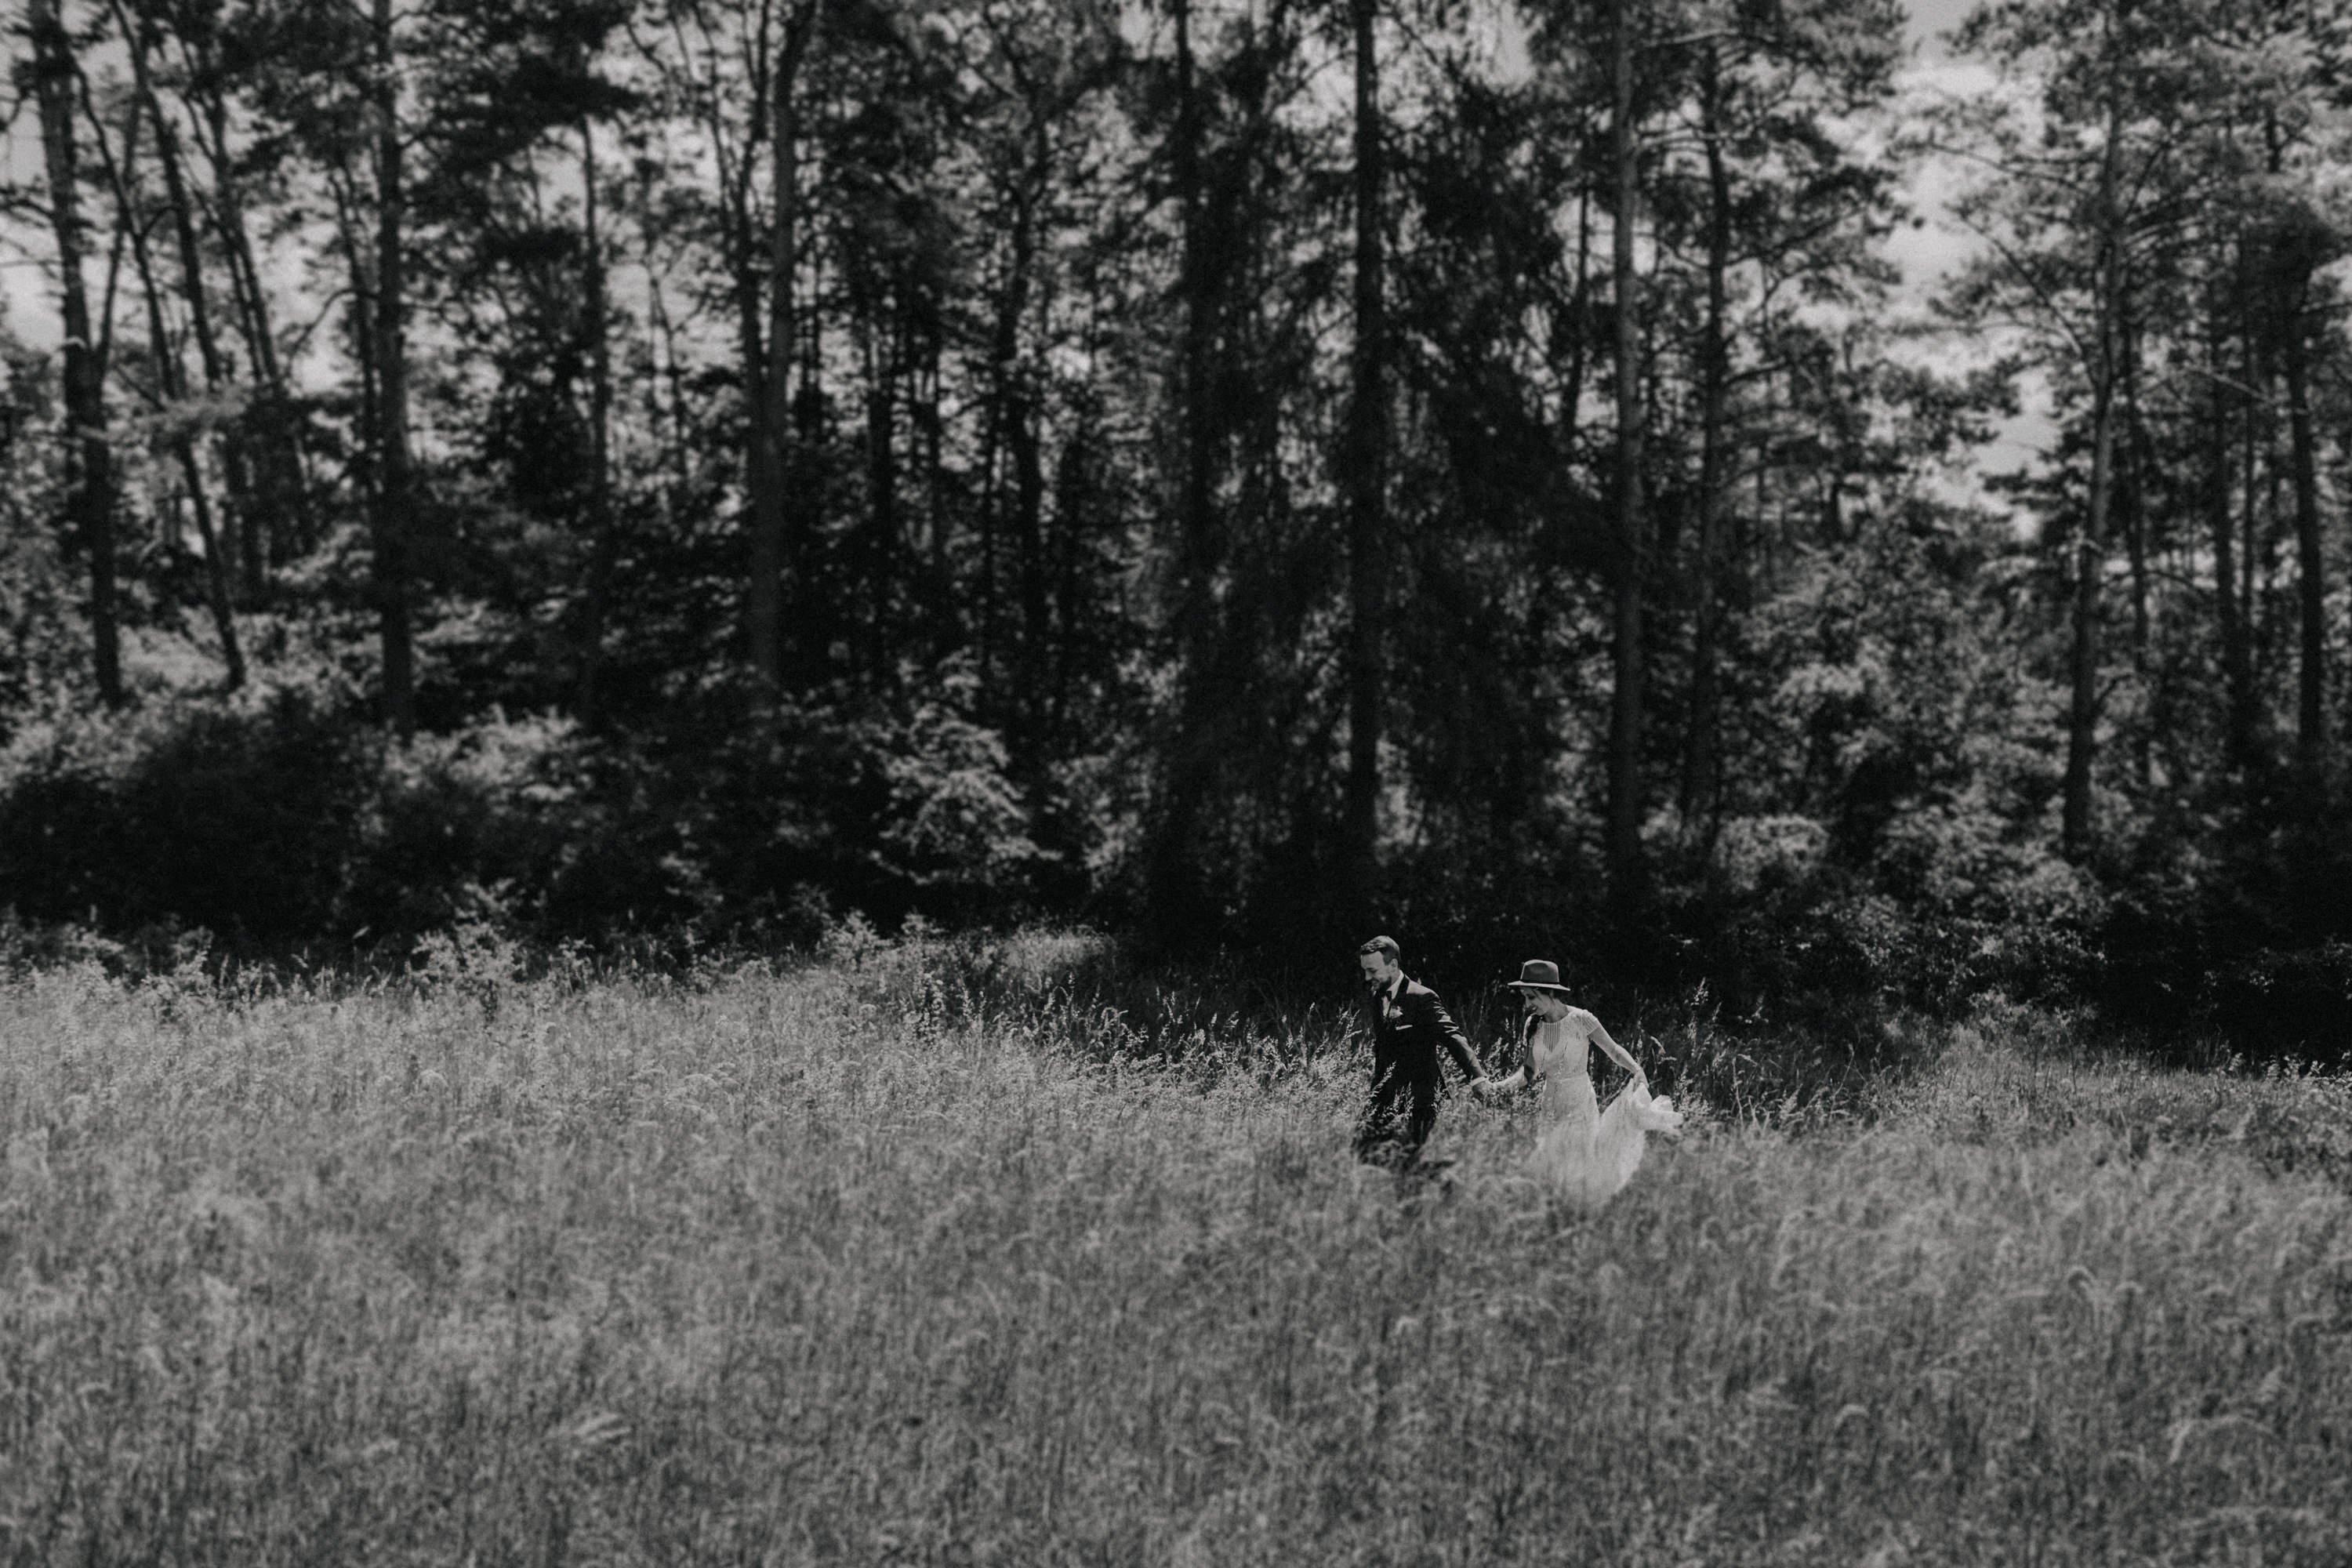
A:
{"points": [[870, 1262]]}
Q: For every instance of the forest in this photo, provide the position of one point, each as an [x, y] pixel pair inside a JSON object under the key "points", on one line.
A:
{"points": [[646, 474]]}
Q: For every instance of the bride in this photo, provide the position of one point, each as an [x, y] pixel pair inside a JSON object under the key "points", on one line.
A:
{"points": [[1582, 1152]]}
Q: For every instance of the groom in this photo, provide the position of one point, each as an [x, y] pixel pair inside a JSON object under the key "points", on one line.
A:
{"points": [[1409, 1026]]}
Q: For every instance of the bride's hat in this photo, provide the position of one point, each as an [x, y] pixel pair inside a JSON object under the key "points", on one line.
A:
{"points": [[1539, 974]]}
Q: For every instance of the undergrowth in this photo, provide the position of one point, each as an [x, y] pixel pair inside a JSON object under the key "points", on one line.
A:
{"points": [[927, 1252], [1082, 995]]}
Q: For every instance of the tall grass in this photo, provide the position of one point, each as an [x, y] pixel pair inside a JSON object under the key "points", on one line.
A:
{"points": [[867, 1262], [1075, 993]]}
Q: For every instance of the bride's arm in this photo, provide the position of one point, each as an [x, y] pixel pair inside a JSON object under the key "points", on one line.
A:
{"points": [[1617, 1053], [1524, 1076]]}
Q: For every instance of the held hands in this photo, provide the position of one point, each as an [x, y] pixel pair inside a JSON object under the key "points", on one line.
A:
{"points": [[1491, 1090]]}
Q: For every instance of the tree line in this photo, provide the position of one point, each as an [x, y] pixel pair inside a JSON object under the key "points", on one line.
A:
{"points": [[1241, 469]]}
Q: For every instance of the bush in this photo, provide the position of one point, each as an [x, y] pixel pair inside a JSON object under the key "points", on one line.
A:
{"points": [[529, 807], [2250, 940], [283, 819], [2287, 1002], [239, 821], [282, 822], [787, 809]]}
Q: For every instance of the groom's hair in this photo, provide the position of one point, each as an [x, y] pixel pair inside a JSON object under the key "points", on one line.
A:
{"points": [[1384, 945]]}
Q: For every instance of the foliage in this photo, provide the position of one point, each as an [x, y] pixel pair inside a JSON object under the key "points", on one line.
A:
{"points": [[273, 823]]}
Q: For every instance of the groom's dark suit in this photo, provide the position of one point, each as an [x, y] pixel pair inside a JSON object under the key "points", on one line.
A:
{"points": [[1409, 1027]]}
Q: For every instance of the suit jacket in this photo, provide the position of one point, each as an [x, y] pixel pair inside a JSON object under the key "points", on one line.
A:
{"points": [[1410, 1027]]}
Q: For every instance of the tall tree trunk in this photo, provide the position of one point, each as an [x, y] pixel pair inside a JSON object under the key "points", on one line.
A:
{"points": [[237, 534], [604, 549], [2237, 656], [396, 501], [668, 387], [1073, 495], [2131, 492], [277, 520], [217, 566], [2252, 443], [929, 438], [358, 261], [1630, 553], [2082, 705], [770, 374], [1701, 742], [1029, 537], [2090, 556], [1570, 434], [1028, 453], [1366, 483], [90, 499], [882, 495], [1020, 506], [173, 389], [2131, 502], [984, 636], [2311, 684], [1176, 893], [1580, 340], [2289, 259]]}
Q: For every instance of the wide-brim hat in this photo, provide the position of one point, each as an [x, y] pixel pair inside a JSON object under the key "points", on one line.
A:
{"points": [[1538, 974]]}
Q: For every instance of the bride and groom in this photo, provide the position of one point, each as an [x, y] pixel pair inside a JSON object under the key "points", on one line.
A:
{"points": [[1582, 1152]]}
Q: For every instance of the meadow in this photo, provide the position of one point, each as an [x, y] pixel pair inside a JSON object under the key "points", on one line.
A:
{"points": [[947, 1253]]}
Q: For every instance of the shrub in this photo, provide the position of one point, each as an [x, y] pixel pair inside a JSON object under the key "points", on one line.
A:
{"points": [[889, 808], [284, 819], [241, 821], [282, 822]]}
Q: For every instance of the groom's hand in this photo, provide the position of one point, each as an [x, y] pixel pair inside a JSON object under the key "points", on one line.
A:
{"points": [[1481, 1087]]}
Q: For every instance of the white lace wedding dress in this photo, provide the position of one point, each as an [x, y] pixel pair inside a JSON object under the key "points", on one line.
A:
{"points": [[1582, 1152]]}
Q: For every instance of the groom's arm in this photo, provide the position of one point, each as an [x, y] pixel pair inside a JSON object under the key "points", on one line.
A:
{"points": [[1449, 1033]]}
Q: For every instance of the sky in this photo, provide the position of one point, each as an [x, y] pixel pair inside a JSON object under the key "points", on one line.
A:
{"points": [[1929, 17]]}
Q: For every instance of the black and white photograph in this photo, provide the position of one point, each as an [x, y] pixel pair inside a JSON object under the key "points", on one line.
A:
{"points": [[1176, 784]]}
